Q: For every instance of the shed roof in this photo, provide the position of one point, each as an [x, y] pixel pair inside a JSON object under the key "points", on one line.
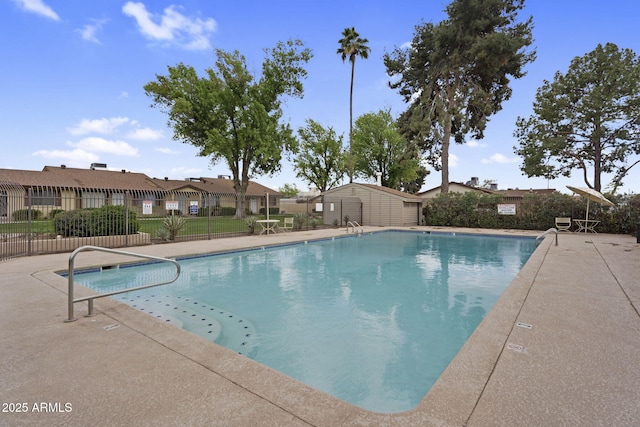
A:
{"points": [[373, 187]]}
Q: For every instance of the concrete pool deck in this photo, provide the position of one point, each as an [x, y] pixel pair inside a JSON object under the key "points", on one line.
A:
{"points": [[561, 347]]}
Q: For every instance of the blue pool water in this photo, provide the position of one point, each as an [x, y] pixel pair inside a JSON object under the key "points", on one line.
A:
{"points": [[373, 320]]}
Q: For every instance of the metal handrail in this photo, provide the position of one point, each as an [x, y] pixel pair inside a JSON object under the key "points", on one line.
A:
{"points": [[91, 298], [357, 228], [551, 230]]}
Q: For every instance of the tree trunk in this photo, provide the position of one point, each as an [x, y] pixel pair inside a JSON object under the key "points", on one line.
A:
{"points": [[353, 67], [446, 140]]}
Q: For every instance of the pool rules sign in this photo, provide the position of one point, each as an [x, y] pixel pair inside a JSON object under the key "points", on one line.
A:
{"points": [[505, 209]]}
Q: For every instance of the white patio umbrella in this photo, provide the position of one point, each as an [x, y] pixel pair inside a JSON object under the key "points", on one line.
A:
{"points": [[591, 195]]}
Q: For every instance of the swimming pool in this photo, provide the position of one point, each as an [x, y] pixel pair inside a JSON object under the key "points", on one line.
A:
{"points": [[373, 320]]}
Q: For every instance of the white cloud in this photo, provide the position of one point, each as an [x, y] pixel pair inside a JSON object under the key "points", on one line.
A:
{"points": [[473, 143], [185, 171], [165, 150], [88, 32], [103, 125], [39, 7], [173, 27], [453, 160], [100, 145], [500, 158], [145, 134], [73, 158]]}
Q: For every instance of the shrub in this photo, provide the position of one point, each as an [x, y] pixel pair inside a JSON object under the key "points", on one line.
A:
{"points": [[54, 212], [227, 211], [298, 220], [23, 215], [112, 221], [173, 224], [104, 221], [534, 212], [272, 210], [76, 223], [251, 223], [162, 234]]}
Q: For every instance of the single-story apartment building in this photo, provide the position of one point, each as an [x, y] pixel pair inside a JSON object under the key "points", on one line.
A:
{"points": [[64, 188]]}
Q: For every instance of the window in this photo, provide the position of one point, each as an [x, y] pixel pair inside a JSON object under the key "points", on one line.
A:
{"points": [[91, 199], [43, 197], [117, 199]]}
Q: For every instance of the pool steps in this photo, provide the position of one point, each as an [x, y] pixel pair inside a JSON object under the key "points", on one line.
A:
{"points": [[210, 322]]}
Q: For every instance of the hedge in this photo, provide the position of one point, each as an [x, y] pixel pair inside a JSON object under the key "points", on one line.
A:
{"points": [[535, 212], [104, 221]]}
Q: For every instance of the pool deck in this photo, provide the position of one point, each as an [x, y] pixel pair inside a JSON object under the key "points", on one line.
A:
{"points": [[561, 347]]}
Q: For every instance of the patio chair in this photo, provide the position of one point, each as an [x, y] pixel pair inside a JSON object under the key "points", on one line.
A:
{"points": [[287, 224], [563, 224]]}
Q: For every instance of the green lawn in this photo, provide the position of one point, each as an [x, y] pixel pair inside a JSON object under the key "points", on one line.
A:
{"points": [[195, 225]]}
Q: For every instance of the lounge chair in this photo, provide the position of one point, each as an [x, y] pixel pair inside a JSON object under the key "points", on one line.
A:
{"points": [[563, 224], [287, 224]]}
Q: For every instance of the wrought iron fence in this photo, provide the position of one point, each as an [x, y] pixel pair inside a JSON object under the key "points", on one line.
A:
{"points": [[44, 219]]}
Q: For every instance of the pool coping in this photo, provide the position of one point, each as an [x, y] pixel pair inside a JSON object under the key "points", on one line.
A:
{"points": [[468, 375], [451, 401]]}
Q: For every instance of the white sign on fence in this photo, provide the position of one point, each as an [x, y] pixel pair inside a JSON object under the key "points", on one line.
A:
{"points": [[147, 207], [506, 209], [172, 205]]}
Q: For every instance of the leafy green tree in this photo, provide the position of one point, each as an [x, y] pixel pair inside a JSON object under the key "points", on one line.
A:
{"points": [[232, 115], [456, 74], [378, 146], [352, 46], [321, 159], [587, 119], [289, 190]]}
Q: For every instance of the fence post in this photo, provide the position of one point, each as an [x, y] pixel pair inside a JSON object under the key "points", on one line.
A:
{"points": [[29, 219], [126, 218], [209, 203]]}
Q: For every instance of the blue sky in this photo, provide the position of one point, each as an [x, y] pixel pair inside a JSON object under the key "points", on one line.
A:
{"points": [[73, 72]]}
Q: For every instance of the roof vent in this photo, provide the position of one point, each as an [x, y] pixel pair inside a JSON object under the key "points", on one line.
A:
{"points": [[95, 166], [63, 166]]}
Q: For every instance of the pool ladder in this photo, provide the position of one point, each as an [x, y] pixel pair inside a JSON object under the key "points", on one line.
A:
{"points": [[357, 228], [90, 299]]}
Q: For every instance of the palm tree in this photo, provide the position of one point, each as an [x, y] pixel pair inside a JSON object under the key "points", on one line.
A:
{"points": [[352, 46]]}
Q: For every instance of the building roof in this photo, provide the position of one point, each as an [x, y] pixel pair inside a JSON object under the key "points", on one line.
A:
{"points": [[96, 179], [213, 185], [374, 187], [459, 184], [506, 193], [102, 179]]}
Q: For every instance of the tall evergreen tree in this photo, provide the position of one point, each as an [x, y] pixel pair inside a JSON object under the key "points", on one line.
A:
{"points": [[587, 119], [352, 46], [456, 74]]}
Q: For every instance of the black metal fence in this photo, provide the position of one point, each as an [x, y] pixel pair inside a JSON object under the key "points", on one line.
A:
{"points": [[44, 219]]}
